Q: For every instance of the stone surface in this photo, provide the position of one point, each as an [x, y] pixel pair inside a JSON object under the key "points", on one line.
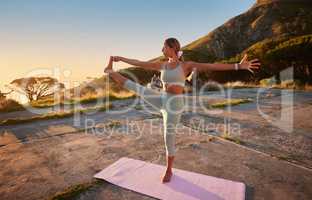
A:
{"points": [[41, 159]]}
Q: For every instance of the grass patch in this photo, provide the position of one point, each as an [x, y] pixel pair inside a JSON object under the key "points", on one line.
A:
{"points": [[229, 102], [112, 96], [240, 84], [53, 115], [42, 103], [138, 107], [285, 158], [228, 137], [154, 115], [288, 157], [114, 123], [73, 191], [293, 84]]}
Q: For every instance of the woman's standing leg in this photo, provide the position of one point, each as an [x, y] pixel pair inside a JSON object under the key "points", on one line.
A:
{"points": [[173, 108]]}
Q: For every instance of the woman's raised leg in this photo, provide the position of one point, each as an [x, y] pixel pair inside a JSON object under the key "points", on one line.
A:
{"points": [[149, 95]]}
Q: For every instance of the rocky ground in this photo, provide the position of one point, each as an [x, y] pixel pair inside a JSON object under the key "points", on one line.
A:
{"points": [[42, 159]]}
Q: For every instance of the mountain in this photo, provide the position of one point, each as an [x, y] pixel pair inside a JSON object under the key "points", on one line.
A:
{"points": [[265, 19], [272, 30]]}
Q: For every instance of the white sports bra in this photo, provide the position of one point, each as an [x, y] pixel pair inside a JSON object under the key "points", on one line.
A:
{"points": [[172, 76]]}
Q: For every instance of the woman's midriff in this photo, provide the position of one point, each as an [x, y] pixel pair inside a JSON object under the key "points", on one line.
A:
{"points": [[174, 89]]}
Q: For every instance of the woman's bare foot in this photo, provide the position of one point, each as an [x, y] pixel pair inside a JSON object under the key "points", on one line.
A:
{"points": [[109, 67], [167, 176]]}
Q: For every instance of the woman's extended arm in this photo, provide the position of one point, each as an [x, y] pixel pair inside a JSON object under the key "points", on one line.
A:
{"points": [[138, 63], [211, 66], [244, 64]]}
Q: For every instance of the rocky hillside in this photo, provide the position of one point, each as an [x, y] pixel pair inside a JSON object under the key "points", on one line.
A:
{"points": [[276, 54], [266, 20]]}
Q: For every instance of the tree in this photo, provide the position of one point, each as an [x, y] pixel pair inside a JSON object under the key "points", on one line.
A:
{"points": [[36, 88]]}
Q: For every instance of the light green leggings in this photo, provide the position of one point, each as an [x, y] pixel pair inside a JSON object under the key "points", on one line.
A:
{"points": [[170, 105]]}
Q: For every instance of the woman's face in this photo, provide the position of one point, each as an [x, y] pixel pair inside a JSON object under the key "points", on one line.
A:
{"points": [[167, 51]]}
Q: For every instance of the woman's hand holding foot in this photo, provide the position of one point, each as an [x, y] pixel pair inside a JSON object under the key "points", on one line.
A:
{"points": [[109, 67], [117, 58]]}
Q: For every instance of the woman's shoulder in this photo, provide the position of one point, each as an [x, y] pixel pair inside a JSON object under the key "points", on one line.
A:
{"points": [[185, 64], [187, 67], [163, 64]]}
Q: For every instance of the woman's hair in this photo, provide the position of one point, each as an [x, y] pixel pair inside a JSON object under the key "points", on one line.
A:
{"points": [[175, 44]]}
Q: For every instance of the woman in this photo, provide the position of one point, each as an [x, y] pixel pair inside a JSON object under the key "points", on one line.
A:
{"points": [[170, 101]]}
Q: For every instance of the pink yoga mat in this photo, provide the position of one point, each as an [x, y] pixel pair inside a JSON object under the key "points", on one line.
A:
{"points": [[145, 178]]}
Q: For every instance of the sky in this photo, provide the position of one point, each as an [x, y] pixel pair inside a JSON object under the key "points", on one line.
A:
{"points": [[73, 39]]}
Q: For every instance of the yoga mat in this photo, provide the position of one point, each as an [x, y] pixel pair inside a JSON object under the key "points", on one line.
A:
{"points": [[145, 177]]}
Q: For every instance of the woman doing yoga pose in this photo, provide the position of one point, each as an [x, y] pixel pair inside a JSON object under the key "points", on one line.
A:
{"points": [[170, 101]]}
